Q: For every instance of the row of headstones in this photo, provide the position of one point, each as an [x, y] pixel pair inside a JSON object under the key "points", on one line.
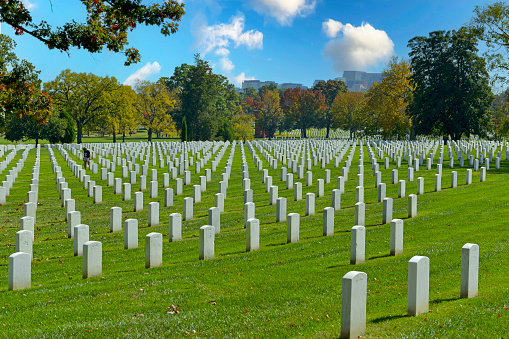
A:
{"points": [[10, 178], [197, 189], [354, 290], [183, 159], [80, 233], [131, 151], [20, 262], [109, 177]]}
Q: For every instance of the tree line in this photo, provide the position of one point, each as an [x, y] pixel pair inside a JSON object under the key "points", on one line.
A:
{"points": [[442, 89]]}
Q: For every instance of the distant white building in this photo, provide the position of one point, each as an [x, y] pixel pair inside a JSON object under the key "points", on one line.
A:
{"points": [[317, 81], [287, 85], [361, 81], [256, 84]]}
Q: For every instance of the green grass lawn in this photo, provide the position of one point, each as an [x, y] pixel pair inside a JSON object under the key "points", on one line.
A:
{"points": [[280, 291]]}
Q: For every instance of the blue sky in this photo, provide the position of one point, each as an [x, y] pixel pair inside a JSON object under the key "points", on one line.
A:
{"points": [[281, 40]]}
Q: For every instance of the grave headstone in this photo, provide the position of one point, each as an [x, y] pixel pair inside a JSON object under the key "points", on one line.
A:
{"points": [[469, 270], [153, 250], [357, 245], [130, 234], [206, 242], [175, 227], [328, 221], [396, 237], [353, 304], [20, 271], [252, 235], [81, 236], [115, 219], [153, 213], [92, 259], [360, 214], [215, 219], [418, 285], [310, 204], [292, 227]]}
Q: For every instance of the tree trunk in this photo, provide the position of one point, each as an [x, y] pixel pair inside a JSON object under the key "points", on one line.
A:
{"points": [[123, 136], [114, 136], [80, 132], [328, 127], [149, 134], [36, 141]]}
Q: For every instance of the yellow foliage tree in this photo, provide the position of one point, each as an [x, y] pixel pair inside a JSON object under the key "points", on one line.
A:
{"points": [[154, 104], [387, 101], [121, 113], [348, 112], [243, 126]]}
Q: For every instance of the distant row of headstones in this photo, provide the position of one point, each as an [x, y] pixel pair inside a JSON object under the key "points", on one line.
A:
{"points": [[92, 250]]}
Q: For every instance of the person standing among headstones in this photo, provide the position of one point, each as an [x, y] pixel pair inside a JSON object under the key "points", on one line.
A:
{"points": [[86, 157]]}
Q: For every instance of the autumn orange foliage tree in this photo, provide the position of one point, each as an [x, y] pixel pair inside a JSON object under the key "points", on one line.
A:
{"points": [[20, 87]]}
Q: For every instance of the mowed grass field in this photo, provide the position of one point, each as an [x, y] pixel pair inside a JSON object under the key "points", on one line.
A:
{"points": [[280, 291]]}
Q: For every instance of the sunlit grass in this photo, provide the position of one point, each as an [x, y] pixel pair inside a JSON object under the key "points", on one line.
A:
{"points": [[282, 290]]}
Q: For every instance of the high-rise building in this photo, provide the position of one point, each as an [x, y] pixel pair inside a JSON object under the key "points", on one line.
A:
{"points": [[256, 84], [361, 81], [287, 85], [317, 81]]}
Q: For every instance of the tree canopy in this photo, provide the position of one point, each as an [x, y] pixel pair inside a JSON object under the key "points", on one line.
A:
{"points": [[490, 24], [82, 95], [330, 90], [386, 101], [452, 95], [154, 105], [304, 108], [107, 25], [348, 112], [206, 99]]}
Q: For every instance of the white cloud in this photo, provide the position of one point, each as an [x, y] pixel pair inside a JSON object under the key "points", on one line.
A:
{"points": [[220, 36], [218, 39], [284, 11], [358, 47], [331, 28], [241, 77], [143, 73], [28, 5]]}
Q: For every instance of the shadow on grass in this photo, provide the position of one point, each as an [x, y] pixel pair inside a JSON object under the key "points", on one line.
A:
{"points": [[276, 244], [439, 301], [379, 256], [340, 265], [388, 317]]}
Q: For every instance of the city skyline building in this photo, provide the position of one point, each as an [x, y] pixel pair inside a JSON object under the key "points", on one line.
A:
{"points": [[357, 81]]}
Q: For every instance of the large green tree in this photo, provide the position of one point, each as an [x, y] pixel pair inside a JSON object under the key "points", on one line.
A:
{"points": [[452, 95], [206, 99], [82, 95], [490, 24], [330, 90], [27, 127], [107, 25], [304, 108], [267, 112]]}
